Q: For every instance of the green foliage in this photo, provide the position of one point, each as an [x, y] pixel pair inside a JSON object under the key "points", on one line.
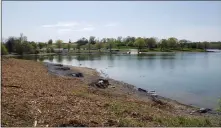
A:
{"points": [[150, 42], [163, 44], [10, 44], [50, 42], [99, 45], [4, 51], [183, 121], [92, 40], [110, 44], [219, 105], [59, 43], [140, 43], [20, 46], [172, 42], [69, 46], [27, 48], [41, 45]]}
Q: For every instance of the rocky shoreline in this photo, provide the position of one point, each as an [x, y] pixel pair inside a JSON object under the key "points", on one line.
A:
{"points": [[124, 88]]}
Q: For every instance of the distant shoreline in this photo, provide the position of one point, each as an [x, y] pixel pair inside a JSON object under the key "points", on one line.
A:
{"points": [[120, 52]]}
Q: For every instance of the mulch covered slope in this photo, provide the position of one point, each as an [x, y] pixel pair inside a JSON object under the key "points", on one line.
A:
{"points": [[29, 93], [33, 97]]}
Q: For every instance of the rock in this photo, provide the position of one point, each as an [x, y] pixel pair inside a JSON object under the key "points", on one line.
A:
{"points": [[142, 90], [77, 74], [60, 65], [154, 94], [100, 83], [63, 68], [157, 101], [112, 86], [203, 110]]}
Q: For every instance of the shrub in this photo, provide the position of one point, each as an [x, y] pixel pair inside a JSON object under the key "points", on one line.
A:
{"points": [[4, 51], [48, 50], [219, 105], [37, 51]]}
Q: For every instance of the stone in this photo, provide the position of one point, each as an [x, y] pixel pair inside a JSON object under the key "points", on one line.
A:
{"points": [[204, 110], [142, 90], [63, 68], [100, 83]]}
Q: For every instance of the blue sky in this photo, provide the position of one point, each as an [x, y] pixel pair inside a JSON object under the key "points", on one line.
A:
{"points": [[41, 21]]}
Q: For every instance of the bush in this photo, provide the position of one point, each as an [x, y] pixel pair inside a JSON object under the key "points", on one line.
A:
{"points": [[219, 105], [144, 50], [48, 50], [4, 51], [37, 51]]}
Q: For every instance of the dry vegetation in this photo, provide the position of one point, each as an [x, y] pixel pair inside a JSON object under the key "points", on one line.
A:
{"points": [[31, 96]]}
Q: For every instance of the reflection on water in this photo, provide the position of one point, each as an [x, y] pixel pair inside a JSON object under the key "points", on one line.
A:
{"points": [[50, 58], [192, 78]]}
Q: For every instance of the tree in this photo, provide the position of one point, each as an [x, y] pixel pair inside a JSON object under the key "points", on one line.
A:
{"points": [[22, 38], [69, 45], [140, 43], [99, 46], [91, 41], [151, 42], [205, 45], [110, 43], [131, 44], [10, 44], [103, 40], [59, 44], [172, 42], [182, 43], [4, 51], [78, 47], [163, 44], [27, 48], [41, 45], [50, 42]]}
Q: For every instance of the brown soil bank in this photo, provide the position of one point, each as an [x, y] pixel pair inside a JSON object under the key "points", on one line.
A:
{"points": [[33, 97]]}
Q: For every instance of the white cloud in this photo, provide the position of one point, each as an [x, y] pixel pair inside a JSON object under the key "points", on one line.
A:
{"points": [[111, 25], [87, 29], [62, 31], [61, 24]]}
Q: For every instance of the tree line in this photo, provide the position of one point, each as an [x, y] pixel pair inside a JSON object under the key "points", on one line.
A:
{"points": [[21, 45]]}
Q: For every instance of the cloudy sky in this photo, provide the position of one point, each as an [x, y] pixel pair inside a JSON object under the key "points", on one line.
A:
{"points": [[41, 21]]}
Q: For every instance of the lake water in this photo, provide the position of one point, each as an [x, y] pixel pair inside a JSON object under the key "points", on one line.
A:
{"points": [[190, 78]]}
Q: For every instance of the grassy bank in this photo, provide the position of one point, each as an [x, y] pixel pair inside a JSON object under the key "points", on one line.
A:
{"points": [[30, 95]]}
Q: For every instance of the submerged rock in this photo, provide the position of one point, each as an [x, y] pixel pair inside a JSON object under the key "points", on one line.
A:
{"points": [[141, 90]]}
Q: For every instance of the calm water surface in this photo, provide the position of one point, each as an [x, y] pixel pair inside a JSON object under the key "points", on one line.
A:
{"points": [[190, 78]]}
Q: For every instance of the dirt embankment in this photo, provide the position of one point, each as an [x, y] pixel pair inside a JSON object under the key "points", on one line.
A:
{"points": [[33, 97]]}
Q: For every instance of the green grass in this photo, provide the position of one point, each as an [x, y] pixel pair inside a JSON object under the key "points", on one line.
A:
{"points": [[134, 114]]}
